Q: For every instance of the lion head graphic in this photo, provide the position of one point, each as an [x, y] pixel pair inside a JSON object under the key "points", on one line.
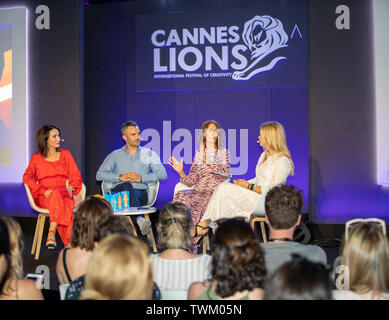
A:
{"points": [[262, 35]]}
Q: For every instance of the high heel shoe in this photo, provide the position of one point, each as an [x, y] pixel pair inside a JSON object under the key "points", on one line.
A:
{"points": [[51, 244], [200, 234]]}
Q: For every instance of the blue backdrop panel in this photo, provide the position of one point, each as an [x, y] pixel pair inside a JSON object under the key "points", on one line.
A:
{"points": [[257, 47], [168, 108]]}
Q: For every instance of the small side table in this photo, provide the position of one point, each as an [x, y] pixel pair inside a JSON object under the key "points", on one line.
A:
{"points": [[137, 211]]}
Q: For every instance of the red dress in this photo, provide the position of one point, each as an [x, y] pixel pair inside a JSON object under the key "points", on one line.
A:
{"points": [[42, 175]]}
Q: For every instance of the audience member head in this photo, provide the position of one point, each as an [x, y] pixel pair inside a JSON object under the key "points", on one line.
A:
{"points": [[174, 226], [92, 210], [113, 225], [120, 269], [366, 255], [14, 264], [274, 140], [211, 129], [238, 261], [5, 253], [299, 279], [283, 206], [44, 136]]}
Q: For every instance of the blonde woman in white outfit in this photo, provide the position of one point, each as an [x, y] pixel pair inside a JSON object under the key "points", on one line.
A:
{"points": [[241, 198]]}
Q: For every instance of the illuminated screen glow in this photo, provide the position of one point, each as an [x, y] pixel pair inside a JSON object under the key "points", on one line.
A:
{"points": [[13, 106], [381, 43]]}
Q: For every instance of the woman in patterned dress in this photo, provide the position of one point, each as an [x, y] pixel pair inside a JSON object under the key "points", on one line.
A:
{"points": [[211, 157]]}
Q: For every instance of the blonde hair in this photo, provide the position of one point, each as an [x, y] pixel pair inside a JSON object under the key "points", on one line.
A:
{"points": [[174, 226], [274, 135], [366, 254], [15, 264], [120, 269]]}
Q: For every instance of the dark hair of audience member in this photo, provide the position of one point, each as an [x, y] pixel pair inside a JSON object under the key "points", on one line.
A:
{"points": [[283, 206], [238, 261], [299, 279], [174, 226], [113, 225], [88, 214]]}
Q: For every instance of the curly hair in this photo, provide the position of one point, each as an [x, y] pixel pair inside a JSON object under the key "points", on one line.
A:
{"points": [[89, 213], [238, 261], [174, 226], [5, 249], [14, 258]]}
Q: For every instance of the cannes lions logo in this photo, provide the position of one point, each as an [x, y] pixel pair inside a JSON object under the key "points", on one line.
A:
{"points": [[263, 35]]}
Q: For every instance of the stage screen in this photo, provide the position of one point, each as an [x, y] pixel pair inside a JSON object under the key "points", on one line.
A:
{"points": [[13, 107]]}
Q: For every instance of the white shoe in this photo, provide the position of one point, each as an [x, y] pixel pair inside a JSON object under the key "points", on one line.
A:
{"points": [[144, 225]]}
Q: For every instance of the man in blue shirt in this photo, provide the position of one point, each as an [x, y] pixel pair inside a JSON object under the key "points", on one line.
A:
{"points": [[131, 168]]}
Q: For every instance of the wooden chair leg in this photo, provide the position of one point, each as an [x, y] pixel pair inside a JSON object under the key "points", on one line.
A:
{"points": [[36, 234], [263, 231], [39, 240], [208, 245], [252, 223], [152, 235], [133, 227]]}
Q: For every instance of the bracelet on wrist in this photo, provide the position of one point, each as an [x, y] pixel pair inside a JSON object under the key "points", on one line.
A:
{"points": [[252, 187]]}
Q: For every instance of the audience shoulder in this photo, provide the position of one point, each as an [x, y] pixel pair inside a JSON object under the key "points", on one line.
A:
{"points": [[59, 267], [195, 289], [320, 253], [28, 290], [256, 294]]}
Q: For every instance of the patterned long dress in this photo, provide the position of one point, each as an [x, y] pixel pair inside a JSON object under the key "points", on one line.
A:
{"points": [[204, 183]]}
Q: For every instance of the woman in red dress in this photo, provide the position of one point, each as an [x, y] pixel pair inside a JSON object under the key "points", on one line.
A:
{"points": [[46, 177]]}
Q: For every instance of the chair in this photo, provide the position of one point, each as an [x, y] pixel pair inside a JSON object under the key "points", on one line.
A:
{"points": [[174, 294], [258, 215], [43, 213], [180, 187], [152, 193], [63, 288]]}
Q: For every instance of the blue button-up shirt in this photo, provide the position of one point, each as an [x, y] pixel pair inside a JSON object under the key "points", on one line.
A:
{"points": [[145, 162]]}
